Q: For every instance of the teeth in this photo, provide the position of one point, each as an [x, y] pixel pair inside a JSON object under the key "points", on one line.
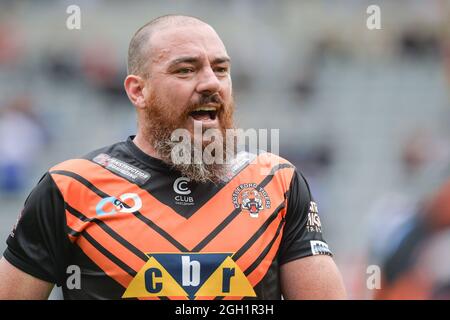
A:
{"points": [[205, 109]]}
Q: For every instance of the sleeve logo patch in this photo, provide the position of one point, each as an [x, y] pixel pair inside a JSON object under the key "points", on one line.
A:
{"points": [[13, 231], [189, 275], [313, 224], [319, 247]]}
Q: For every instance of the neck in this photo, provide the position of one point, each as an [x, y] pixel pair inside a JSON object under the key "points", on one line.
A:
{"points": [[144, 144]]}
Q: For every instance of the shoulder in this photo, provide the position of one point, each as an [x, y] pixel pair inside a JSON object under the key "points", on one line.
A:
{"points": [[266, 166], [261, 159], [71, 175], [273, 161], [283, 170], [99, 156]]}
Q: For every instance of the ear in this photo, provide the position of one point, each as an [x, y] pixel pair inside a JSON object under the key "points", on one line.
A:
{"points": [[136, 90]]}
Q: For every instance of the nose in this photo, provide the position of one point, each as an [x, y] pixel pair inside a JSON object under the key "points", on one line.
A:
{"points": [[208, 82]]}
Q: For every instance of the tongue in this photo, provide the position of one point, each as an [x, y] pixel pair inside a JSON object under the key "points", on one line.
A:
{"points": [[201, 115]]}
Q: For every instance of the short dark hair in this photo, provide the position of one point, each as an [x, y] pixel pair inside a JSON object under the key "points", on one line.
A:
{"points": [[139, 49]]}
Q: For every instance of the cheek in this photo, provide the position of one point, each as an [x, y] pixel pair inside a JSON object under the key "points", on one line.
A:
{"points": [[227, 90], [178, 93]]}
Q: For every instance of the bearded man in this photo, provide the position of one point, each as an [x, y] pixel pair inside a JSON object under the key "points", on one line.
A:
{"points": [[137, 223]]}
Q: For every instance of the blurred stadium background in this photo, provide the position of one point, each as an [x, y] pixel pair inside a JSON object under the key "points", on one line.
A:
{"points": [[364, 114]]}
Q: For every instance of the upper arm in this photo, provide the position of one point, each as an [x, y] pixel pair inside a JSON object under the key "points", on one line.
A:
{"points": [[37, 251], [16, 284], [313, 277], [307, 268], [302, 233]]}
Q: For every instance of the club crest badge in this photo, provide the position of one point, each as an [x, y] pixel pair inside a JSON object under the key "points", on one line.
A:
{"points": [[252, 198]]}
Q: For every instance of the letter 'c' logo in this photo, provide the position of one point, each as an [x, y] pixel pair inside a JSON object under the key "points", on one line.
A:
{"points": [[180, 186]]}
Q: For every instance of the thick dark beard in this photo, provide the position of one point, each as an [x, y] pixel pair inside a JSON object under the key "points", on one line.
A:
{"points": [[158, 127], [198, 172]]}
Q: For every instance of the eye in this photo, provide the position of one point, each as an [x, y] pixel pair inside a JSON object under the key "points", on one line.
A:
{"points": [[185, 70], [221, 70]]}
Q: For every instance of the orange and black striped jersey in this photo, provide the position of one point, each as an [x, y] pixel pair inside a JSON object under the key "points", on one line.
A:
{"points": [[131, 227]]}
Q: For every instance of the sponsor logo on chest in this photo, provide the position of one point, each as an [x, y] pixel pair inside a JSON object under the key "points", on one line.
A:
{"points": [[122, 168], [189, 275], [181, 188]]}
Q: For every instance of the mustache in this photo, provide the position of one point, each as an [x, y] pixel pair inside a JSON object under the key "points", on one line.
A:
{"points": [[213, 98], [204, 100]]}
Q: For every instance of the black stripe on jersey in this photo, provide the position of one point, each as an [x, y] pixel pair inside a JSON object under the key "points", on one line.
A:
{"points": [[137, 214], [263, 254], [108, 230], [236, 212], [269, 288], [217, 230], [161, 232], [82, 180], [72, 232], [95, 283], [258, 233], [109, 255], [272, 172]]}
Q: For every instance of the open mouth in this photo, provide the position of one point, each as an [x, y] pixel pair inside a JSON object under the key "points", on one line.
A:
{"points": [[204, 113]]}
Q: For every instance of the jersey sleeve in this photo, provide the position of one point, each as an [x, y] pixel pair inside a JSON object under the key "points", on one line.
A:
{"points": [[37, 245], [302, 234]]}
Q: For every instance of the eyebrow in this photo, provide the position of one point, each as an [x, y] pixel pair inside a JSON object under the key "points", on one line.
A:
{"points": [[193, 60]]}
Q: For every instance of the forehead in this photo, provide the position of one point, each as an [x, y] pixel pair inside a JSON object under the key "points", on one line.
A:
{"points": [[200, 41]]}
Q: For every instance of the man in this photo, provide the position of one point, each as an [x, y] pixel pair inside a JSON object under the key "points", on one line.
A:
{"points": [[136, 223]]}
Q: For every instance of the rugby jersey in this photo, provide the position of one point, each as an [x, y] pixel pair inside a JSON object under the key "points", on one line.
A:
{"points": [[120, 224]]}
